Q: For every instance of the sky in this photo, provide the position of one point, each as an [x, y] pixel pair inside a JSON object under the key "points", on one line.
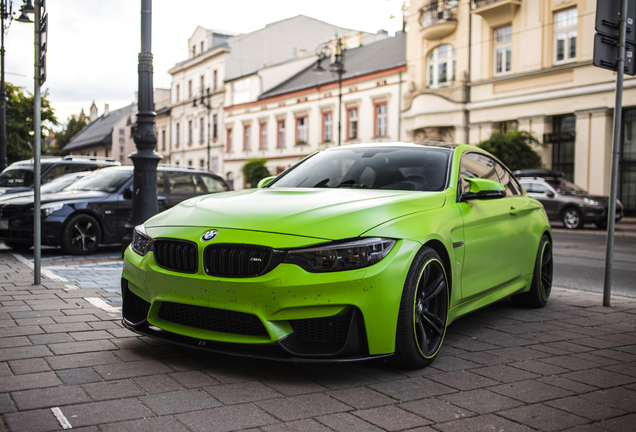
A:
{"points": [[94, 44]]}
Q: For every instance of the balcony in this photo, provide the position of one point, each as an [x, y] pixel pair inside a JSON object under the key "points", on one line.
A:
{"points": [[438, 19], [496, 12]]}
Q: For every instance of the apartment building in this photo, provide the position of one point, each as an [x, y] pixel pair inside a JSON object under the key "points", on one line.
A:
{"points": [[520, 64], [301, 115]]}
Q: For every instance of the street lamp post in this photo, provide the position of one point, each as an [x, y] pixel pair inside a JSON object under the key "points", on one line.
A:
{"points": [[6, 15], [145, 159], [208, 105], [336, 67]]}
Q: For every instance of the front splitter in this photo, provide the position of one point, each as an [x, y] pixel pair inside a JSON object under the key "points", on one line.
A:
{"points": [[266, 352]]}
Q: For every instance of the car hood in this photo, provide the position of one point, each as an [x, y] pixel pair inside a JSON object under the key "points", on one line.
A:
{"points": [[72, 195], [320, 213]]}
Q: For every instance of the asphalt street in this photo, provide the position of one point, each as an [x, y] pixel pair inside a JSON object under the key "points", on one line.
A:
{"points": [[579, 261]]}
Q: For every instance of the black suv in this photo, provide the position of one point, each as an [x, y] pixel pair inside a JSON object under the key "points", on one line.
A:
{"points": [[18, 177], [565, 201], [95, 209]]}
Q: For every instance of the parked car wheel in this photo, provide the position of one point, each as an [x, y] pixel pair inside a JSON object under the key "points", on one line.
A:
{"points": [[423, 312], [541, 285], [572, 218], [81, 235]]}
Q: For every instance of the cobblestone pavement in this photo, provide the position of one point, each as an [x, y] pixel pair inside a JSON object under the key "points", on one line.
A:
{"points": [[65, 362]]}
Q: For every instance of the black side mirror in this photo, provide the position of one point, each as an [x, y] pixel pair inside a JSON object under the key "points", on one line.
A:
{"points": [[128, 192], [549, 194]]}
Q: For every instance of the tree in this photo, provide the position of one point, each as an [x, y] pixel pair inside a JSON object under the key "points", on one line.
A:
{"points": [[19, 124], [514, 149], [75, 124], [254, 170]]}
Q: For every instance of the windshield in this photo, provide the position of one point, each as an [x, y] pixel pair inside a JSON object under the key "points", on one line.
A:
{"points": [[60, 183], [395, 168], [17, 177], [103, 180], [566, 187]]}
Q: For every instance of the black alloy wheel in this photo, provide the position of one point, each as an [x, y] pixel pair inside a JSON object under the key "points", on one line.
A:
{"points": [[572, 218], [81, 235], [541, 285], [423, 312]]}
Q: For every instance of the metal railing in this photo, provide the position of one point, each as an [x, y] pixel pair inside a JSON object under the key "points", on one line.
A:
{"points": [[436, 12]]}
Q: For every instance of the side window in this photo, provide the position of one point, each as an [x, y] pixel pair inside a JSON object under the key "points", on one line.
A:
{"points": [[212, 184], [507, 181], [180, 182], [537, 188], [476, 165], [55, 172], [198, 184], [159, 182]]}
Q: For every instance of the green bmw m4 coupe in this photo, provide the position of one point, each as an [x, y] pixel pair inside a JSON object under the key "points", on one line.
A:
{"points": [[356, 252]]}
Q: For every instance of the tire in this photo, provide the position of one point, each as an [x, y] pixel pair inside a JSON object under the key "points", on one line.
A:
{"points": [[541, 285], [572, 218], [423, 312], [81, 235], [19, 246]]}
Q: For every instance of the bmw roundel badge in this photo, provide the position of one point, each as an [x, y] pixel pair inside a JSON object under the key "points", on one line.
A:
{"points": [[209, 235]]}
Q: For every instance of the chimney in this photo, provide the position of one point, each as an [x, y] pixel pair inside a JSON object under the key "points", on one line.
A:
{"points": [[106, 110], [93, 111]]}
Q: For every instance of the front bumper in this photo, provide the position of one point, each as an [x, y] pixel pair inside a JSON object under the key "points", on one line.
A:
{"points": [[285, 314]]}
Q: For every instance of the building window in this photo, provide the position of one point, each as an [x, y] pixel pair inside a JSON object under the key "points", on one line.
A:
{"points": [[215, 164], [627, 165], [178, 163], [190, 89], [202, 82], [215, 125], [565, 35], [122, 131], [241, 91], [352, 123], [201, 163], [163, 140], [327, 126], [301, 129], [247, 132], [280, 143], [214, 76], [263, 136], [189, 162], [380, 119], [503, 50], [176, 140], [563, 150], [201, 128], [201, 47], [189, 132], [441, 66], [194, 50], [177, 91], [229, 140]]}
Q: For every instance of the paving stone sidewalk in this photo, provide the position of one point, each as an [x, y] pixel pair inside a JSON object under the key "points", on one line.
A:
{"points": [[65, 363]]}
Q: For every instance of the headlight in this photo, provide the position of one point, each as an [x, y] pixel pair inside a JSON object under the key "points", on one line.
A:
{"points": [[590, 201], [141, 242], [49, 209], [341, 256]]}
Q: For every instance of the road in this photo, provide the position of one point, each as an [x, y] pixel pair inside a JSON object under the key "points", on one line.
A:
{"points": [[580, 261]]}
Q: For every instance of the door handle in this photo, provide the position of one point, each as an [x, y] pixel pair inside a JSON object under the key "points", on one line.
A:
{"points": [[513, 211]]}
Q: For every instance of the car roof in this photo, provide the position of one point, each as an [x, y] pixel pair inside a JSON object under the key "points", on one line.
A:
{"points": [[70, 160], [163, 168]]}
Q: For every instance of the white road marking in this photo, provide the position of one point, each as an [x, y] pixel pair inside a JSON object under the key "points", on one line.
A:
{"points": [[97, 302], [60, 418], [43, 271]]}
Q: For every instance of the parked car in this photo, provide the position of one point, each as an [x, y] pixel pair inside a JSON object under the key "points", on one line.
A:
{"points": [[18, 177], [565, 201], [95, 209], [356, 252]]}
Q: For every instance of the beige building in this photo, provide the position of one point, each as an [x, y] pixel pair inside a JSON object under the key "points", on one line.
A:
{"points": [[291, 120], [480, 66]]}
